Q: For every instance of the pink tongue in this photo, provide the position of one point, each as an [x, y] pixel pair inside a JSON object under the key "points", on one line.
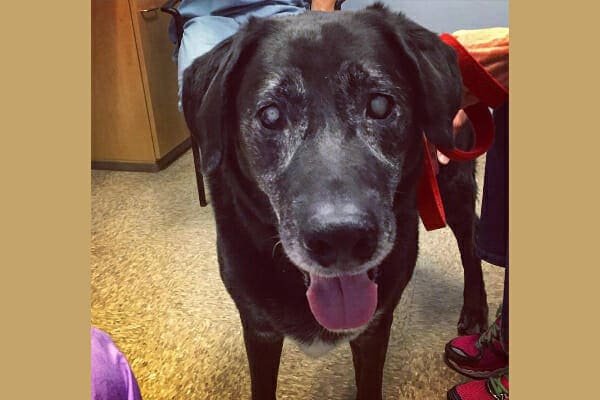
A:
{"points": [[345, 302]]}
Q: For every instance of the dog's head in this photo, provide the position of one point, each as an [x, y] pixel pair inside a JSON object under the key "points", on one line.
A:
{"points": [[325, 113]]}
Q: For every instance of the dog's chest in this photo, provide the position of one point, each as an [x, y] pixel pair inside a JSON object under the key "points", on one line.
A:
{"points": [[316, 348]]}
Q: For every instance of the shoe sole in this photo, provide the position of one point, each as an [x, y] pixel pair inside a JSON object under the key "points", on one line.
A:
{"points": [[474, 374]]}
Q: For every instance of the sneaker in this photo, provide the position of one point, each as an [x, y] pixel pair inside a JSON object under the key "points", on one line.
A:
{"points": [[495, 388], [478, 356]]}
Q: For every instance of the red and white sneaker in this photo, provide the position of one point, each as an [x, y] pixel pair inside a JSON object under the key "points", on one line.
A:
{"points": [[494, 388], [478, 356]]}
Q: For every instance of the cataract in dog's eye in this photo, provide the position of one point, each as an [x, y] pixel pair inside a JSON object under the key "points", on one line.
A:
{"points": [[379, 106], [270, 116]]}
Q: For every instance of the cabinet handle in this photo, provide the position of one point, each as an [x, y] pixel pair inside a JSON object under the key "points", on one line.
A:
{"points": [[150, 13]]}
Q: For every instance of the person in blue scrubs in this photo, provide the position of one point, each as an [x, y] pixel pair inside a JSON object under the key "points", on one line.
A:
{"points": [[208, 22]]}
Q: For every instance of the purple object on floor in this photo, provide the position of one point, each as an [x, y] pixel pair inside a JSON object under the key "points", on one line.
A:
{"points": [[112, 378]]}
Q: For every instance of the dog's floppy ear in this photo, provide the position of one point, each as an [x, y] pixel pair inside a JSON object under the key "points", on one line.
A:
{"points": [[208, 94], [433, 66]]}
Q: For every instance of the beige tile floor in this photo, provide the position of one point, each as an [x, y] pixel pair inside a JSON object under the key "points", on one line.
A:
{"points": [[156, 290]]}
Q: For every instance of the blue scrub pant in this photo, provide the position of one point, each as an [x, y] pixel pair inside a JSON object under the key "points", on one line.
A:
{"points": [[208, 22]]}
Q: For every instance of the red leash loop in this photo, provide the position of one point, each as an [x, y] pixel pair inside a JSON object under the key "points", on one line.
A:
{"points": [[483, 125], [492, 94]]}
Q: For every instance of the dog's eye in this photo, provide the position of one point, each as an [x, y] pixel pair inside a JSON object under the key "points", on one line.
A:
{"points": [[379, 106], [270, 117]]}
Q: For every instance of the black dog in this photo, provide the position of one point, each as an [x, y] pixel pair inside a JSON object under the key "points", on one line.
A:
{"points": [[310, 131]]}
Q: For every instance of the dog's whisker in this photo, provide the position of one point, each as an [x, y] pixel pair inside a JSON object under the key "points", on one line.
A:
{"points": [[275, 247]]}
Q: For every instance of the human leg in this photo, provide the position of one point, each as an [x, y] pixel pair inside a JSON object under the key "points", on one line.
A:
{"points": [[486, 356]]}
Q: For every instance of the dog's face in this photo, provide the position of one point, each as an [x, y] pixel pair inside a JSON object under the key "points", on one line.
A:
{"points": [[325, 113], [324, 130]]}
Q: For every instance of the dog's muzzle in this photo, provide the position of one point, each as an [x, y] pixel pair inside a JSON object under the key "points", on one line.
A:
{"points": [[341, 239]]}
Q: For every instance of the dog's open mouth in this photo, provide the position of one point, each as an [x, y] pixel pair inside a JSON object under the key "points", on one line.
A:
{"points": [[343, 302]]}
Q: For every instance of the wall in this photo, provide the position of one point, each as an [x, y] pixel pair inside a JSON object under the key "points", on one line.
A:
{"points": [[446, 15]]}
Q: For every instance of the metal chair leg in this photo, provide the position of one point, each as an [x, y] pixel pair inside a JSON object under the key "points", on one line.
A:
{"points": [[169, 8], [199, 178]]}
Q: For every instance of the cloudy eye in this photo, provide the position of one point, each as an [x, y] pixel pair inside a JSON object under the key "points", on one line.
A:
{"points": [[379, 106], [270, 117]]}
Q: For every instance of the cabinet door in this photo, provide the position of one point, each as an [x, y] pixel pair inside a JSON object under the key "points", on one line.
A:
{"points": [[120, 124], [159, 74]]}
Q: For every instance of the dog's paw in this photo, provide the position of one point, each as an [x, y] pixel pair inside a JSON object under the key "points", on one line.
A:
{"points": [[473, 320]]}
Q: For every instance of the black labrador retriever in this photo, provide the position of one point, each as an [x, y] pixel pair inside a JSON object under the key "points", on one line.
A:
{"points": [[310, 131]]}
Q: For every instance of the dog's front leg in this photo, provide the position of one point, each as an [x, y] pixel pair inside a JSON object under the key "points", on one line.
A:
{"points": [[264, 353], [458, 189], [368, 354]]}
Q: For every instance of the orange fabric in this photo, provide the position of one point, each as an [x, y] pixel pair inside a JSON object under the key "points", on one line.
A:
{"points": [[490, 48]]}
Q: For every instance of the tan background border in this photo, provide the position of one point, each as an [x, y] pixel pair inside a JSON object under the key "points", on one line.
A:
{"points": [[553, 232], [45, 200]]}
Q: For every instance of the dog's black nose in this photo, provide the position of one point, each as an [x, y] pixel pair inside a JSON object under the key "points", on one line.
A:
{"points": [[345, 244]]}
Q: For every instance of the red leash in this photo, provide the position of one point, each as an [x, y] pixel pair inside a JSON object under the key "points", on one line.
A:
{"points": [[491, 94]]}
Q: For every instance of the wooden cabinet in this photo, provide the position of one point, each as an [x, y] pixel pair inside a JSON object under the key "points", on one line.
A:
{"points": [[136, 124]]}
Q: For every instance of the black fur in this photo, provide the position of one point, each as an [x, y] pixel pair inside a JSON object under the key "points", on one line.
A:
{"points": [[269, 187]]}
